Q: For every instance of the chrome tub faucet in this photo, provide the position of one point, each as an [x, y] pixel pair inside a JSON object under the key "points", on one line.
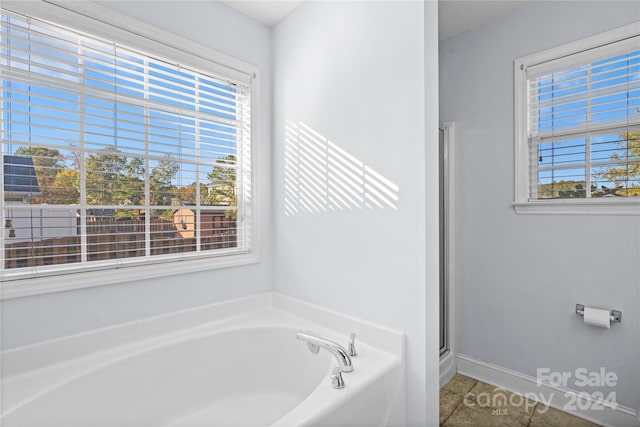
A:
{"points": [[351, 347], [315, 342]]}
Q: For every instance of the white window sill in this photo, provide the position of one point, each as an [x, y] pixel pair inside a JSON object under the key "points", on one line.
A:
{"points": [[579, 207], [22, 287]]}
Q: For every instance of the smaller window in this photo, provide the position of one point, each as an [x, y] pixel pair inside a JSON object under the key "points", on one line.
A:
{"points": [[578, 125]]}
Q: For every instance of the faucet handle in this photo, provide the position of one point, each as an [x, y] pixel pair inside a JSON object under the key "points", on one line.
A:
{"points": [[336, 378], [351, 348]]}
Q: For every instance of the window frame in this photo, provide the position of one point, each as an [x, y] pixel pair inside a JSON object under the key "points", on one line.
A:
{"points": [[106, 23], [588, 206]]}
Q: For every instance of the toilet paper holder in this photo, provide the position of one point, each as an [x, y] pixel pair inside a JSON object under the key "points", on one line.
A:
{"points": [[615, 315]]}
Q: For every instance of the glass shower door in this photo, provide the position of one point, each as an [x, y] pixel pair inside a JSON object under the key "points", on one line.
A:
{"points": [[443, 247]]}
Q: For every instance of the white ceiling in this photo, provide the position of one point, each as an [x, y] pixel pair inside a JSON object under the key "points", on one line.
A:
{"points": [[454, 16], [269, 12]]}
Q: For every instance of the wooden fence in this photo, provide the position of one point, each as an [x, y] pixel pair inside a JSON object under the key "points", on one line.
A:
{"points": [[118, 239]]}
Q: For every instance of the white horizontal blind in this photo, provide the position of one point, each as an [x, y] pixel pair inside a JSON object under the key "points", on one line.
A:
{"points": [[114, 156], [584, 124]]}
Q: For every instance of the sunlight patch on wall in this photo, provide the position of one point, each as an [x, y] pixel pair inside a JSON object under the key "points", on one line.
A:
{"points": [[322, 177]]}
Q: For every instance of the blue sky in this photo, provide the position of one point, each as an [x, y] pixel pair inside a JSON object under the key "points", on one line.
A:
{"points": [[111, 111]]}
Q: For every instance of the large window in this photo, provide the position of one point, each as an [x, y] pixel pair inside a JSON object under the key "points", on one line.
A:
{"points": [[112, 156], [579, 122]]}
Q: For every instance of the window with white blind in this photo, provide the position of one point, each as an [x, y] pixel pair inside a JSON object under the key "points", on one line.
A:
{"points": [[578, 125], [113, 156]]}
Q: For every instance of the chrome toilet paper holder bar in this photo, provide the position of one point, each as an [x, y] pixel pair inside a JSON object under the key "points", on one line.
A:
{"points": [[615, 315]]}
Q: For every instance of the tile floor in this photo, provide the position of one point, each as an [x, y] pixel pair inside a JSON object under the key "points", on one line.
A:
{"points": [[467, 402]]}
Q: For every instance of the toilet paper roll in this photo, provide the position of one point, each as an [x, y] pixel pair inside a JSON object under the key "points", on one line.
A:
{"points": [[597, 317]]}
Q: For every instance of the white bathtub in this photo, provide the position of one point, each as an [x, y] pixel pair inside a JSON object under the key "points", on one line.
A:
{"points": [[232, 364]]}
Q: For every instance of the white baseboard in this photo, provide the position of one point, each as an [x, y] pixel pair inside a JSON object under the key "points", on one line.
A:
{"points": [[557, 397], [447, 368]]}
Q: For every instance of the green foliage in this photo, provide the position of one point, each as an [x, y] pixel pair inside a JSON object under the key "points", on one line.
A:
{"points": [[627, 171], [562, 190], [624, 175], [187, 194], [66, 188], [132, 183], [47, 163], [222, 188], [165, 215], [160, 181], [104, 173], [113, 179]]}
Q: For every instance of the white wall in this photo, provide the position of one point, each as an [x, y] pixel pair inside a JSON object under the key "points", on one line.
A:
{"points": [[431, 361], [32, 319], [349, 94], [364, 76], [518, 277]]}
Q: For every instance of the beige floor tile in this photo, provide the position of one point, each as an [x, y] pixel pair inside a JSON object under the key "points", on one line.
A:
{"points": [[495, 398], [544, 416], [467, 402], [459, 384], [448, 402], [475, 416]]}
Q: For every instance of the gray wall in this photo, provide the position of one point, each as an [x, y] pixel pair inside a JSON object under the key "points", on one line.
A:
{"points": [[38, 318], [518, 277], [350, 89]]}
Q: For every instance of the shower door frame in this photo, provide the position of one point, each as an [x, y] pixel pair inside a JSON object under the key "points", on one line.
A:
{"points": [[447, 175]]}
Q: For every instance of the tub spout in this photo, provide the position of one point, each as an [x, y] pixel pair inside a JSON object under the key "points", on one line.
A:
{"points": [[341, 355]]}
